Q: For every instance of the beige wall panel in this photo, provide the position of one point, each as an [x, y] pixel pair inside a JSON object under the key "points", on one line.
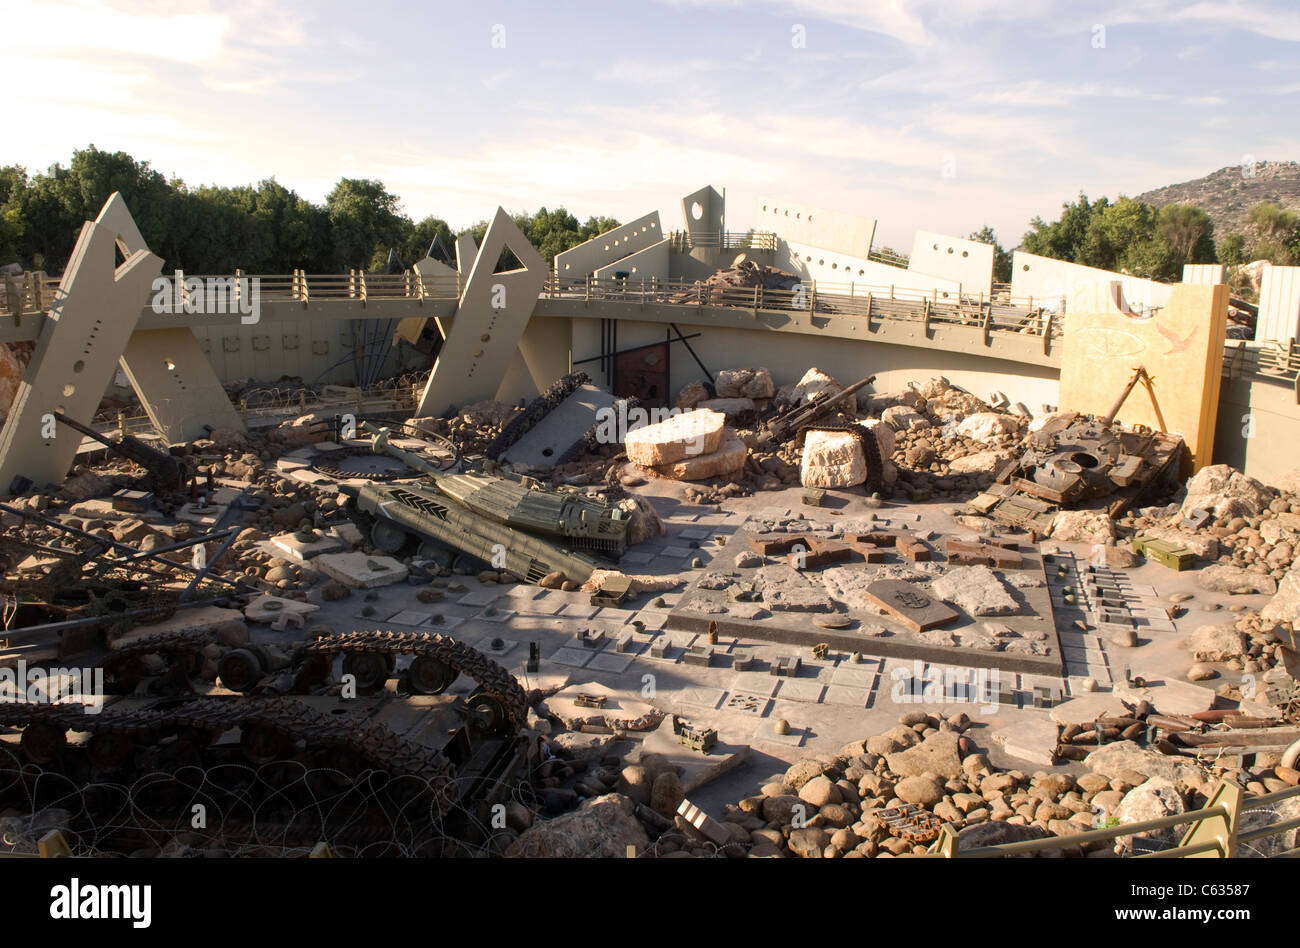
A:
{"points": [[710, 216], [94, 314], [577, 263], [647, 264], [1181, 347], [1054, 283], [823, 266], [834, 231], [184, 393], [1279, 305], [490, 320], [1203, 273], [967, 262]]}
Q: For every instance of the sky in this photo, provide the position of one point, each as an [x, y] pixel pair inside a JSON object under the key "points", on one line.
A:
{"points": [[943, 115]]}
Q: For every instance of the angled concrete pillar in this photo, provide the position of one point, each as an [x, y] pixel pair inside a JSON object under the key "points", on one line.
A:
{"points": [[95, 311], [490, 320], [169, 372]]}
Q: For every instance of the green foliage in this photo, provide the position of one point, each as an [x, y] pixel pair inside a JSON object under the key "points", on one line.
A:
{"points": [[1001, 257], [1232, 250], [1277, 234], [266, 228], [1126, 236]]}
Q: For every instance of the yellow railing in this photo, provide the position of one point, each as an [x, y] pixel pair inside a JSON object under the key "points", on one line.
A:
{"points": [[1212, 831]]}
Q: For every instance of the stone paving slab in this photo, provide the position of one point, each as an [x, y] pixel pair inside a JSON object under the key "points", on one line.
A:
{"points": [[850, 697], [577, 657], [796, 689], [607, 661]]}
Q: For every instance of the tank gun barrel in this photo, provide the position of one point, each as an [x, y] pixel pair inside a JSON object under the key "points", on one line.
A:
{"points": [[379, 444]]}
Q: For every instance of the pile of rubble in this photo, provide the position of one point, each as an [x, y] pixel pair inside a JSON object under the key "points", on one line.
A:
{"points": [[885, 796]]}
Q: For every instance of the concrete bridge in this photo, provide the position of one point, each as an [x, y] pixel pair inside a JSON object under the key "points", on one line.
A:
{"points": [[612, 317]]}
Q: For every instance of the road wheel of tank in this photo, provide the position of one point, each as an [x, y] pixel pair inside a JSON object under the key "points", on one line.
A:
{"points": [[437, 552], [428, 676], [389, 536], [369, 669], [43, 743], [466, 565], [487, 713], [262, 743], [240, 669]]}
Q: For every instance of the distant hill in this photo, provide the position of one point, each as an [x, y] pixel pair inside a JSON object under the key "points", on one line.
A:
{"points": [[1227, 196]]}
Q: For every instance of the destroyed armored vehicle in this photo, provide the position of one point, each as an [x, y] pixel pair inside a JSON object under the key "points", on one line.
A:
{"points": [[504, 521], [1080, 461]]}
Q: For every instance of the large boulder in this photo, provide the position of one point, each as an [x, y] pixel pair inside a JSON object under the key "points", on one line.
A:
{"points": [[1287, 483], [1285, 606], [903, 418], [937, 754], [745, 383], [602, 826], [1216, 643], [919, 790], [1157, 797], [832, 459], [728, 460], [1082, 526], [1226, 493], [1224, 578], [689, 435], [986, 426], [981, 462], [816, 382], [1119, 756], [884, 434], [997, 833]]}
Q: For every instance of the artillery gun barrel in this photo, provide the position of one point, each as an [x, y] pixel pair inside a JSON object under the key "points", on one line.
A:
{"points": [[379, 444], [166, 471], [784, 423]]}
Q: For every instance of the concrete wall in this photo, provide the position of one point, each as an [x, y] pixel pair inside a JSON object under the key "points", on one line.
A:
{"points": [[705, 211], [650, 262], [1211, 273], [967, 262], [834, 231], [316, 351], [579, 262], [1279, 305], [1258, 426], [1055, 282], [788, 356], [815, 263]]}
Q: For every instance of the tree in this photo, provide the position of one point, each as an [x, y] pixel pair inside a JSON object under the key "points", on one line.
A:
{"points": [[1232, 250], [1064, 239], [1189, 232], [365, 222], [13, 185], [1001, 258]]}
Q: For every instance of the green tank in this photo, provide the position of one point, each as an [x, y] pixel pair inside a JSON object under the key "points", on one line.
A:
{"points": [[504, 520]]}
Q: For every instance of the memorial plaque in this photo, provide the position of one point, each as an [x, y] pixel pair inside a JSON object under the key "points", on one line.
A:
{"points": [[910, 604]]}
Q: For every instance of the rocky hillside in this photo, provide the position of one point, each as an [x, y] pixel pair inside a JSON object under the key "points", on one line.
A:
{"points": [[1227, 195]]}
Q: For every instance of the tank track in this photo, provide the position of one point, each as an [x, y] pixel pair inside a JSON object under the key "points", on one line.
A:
{"points": [[463, 659], [870, 448], [287, 717], [172, 645], [537, 409]]}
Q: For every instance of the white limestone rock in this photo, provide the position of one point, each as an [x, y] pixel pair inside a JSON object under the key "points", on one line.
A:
{"points": [[832, 459], [745, 383], [977, 590], [1226, 493], [688, 435]]}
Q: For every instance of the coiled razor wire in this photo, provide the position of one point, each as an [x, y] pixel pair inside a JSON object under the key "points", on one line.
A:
{"points": [[278, 810]]}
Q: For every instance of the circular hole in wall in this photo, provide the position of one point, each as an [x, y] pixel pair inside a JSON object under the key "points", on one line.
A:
{"points": [[965, 253], [78, 366], [69, 391], [1025, 268], [171, 366], [950, 250], [485, 337], [697, 210]]}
